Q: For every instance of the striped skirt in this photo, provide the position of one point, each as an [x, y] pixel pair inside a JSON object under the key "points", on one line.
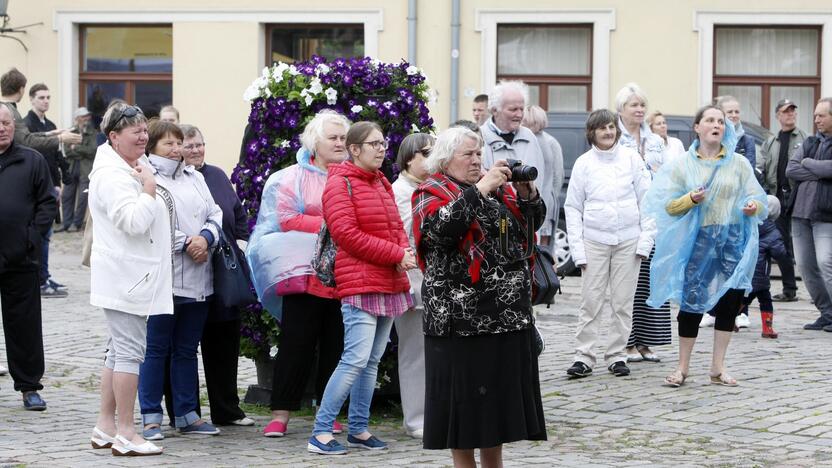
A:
{"points": [[651, 327]]}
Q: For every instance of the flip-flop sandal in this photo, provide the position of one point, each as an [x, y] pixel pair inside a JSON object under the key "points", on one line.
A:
{"points": [[649, 356], [676, 379], [724, 380]]}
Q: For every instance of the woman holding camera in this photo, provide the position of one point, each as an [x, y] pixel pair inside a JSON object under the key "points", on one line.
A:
{"points": [[482, 384], [609, 236]]}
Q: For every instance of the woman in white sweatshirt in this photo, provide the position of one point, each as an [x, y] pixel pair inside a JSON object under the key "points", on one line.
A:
{"points": [[608, 236]]}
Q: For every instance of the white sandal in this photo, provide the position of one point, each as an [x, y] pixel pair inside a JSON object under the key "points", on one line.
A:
{"points": [[125, 448], [100, 439]]}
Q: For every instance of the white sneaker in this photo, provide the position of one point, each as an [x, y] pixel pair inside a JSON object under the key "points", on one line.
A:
{"points": [[742, 321], [245, 421], [3, 370], [707, 321], [417, 434]]}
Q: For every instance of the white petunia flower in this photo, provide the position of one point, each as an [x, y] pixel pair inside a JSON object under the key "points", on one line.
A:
{"points": [[284, 144], [412, 70], [309, 100], [322, 69], [356, 109], [251, 93], [293, 70], [315, 87], [265, 73], [331, 96], [414, 128]]}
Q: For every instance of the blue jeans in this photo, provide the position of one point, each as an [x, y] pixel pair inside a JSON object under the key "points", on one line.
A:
{"points": [[812, 242], [365, 338], [176, 335]]}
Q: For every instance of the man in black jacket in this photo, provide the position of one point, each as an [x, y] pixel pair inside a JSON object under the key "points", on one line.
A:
{"points": [[26, 214]]}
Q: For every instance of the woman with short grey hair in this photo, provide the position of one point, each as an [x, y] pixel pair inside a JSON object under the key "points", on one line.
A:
{"points": [[482, 381], [537, 120], [131, 277], [280, 254]]}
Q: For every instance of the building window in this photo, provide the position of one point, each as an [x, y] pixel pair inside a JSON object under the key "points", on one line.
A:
{"points": [[554, 60], [761, 65], [292, 43], [133, 63]]}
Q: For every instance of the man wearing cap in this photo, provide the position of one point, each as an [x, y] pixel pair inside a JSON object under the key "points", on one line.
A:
{"points": [[776, 152], [80, 157], [811, 171]]}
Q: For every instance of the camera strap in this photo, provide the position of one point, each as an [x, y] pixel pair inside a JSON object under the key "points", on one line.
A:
{"points": [[504, 229]]}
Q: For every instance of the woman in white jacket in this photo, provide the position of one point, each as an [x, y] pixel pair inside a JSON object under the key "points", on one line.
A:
{"points": [[131, 269], [196, 230], [608, 236]]}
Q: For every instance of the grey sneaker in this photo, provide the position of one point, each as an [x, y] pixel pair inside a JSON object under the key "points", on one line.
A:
{"points": [[47, 291]]}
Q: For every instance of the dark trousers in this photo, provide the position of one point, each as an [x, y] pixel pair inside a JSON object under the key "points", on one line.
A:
{"points": [[725, 311], [309, 322], [763, 297], [220, 348], [74, 198], [20, 300], [784, 225], [44, 261]]}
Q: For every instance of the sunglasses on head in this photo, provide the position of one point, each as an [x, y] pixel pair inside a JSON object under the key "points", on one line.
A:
{"points": [[128, 112]]}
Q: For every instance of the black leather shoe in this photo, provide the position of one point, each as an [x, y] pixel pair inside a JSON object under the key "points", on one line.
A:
{"points": [[783, 297], [816, 325], [828, 328]]}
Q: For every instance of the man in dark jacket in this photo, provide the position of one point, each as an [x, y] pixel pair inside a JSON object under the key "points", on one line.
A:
{"points": [[26, 214], [811, 171], [771, 162], [80, 158]]}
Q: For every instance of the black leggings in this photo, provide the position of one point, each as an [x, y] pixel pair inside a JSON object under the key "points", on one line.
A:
{"points": [[763, 297], [725, 310]]}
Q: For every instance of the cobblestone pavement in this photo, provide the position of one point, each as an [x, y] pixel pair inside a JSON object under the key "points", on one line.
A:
{"points": [[778, 416]]}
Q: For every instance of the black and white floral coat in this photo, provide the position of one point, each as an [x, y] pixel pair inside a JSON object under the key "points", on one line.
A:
{"points": [[500, 301]]}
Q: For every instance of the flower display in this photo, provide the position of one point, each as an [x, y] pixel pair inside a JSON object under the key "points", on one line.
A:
{"points": [[284, 98]]}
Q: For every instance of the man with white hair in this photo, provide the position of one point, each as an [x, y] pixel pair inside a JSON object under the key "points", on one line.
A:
{"points": [[26, 213], [504, 135]]}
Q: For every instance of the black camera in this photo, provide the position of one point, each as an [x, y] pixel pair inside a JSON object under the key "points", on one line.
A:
{"points": [[521, 172]]}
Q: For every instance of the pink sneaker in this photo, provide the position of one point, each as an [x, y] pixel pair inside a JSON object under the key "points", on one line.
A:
{"points": [[275, 429], [337, 428]]}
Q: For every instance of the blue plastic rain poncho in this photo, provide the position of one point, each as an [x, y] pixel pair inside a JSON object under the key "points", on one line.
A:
{"points": [[277, 256], [713, 247]]}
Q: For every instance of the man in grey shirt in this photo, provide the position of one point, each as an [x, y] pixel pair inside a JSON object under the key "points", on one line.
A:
{"points": [[811, 170]]}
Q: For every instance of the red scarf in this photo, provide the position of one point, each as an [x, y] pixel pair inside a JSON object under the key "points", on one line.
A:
{"points": [[439, 190]]}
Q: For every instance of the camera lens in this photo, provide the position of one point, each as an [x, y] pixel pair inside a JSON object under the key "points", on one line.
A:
{"points": [[523, 173]]}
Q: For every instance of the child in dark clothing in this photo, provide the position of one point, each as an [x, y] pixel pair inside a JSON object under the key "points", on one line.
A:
{"points": [[771, 247]]}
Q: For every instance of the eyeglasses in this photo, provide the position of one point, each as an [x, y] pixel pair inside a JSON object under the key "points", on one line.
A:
{"points": [[378, 144], [195, 146], [128, 112]]}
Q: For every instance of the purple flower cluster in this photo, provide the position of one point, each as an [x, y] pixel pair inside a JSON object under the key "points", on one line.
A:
{"points": [[394, 95]]}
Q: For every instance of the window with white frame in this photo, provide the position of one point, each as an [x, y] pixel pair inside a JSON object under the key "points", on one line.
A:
{"points": [[760, 65], [555, 61]]}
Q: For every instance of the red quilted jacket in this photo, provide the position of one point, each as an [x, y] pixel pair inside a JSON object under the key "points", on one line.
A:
{"points": [[367, 230]]}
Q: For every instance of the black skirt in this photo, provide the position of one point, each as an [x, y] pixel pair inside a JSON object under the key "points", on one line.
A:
{"points": [[482, 391]]}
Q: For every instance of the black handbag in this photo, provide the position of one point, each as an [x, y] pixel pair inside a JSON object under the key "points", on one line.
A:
{"points": [[545, 281], [232, 283]]}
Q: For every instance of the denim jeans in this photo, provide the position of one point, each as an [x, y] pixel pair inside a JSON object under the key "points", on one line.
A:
{"points": [[176, 335], [365, 338], [812, 242]]}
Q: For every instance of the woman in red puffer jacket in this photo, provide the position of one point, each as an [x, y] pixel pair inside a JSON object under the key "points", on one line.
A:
{"points": [[373, 255]]}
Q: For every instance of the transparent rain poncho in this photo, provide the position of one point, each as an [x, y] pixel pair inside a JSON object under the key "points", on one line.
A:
{"points": [[713, 247], [275, 255]]}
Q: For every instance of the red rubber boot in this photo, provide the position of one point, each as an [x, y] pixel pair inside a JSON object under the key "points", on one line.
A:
{"points": [[768, 319]]}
